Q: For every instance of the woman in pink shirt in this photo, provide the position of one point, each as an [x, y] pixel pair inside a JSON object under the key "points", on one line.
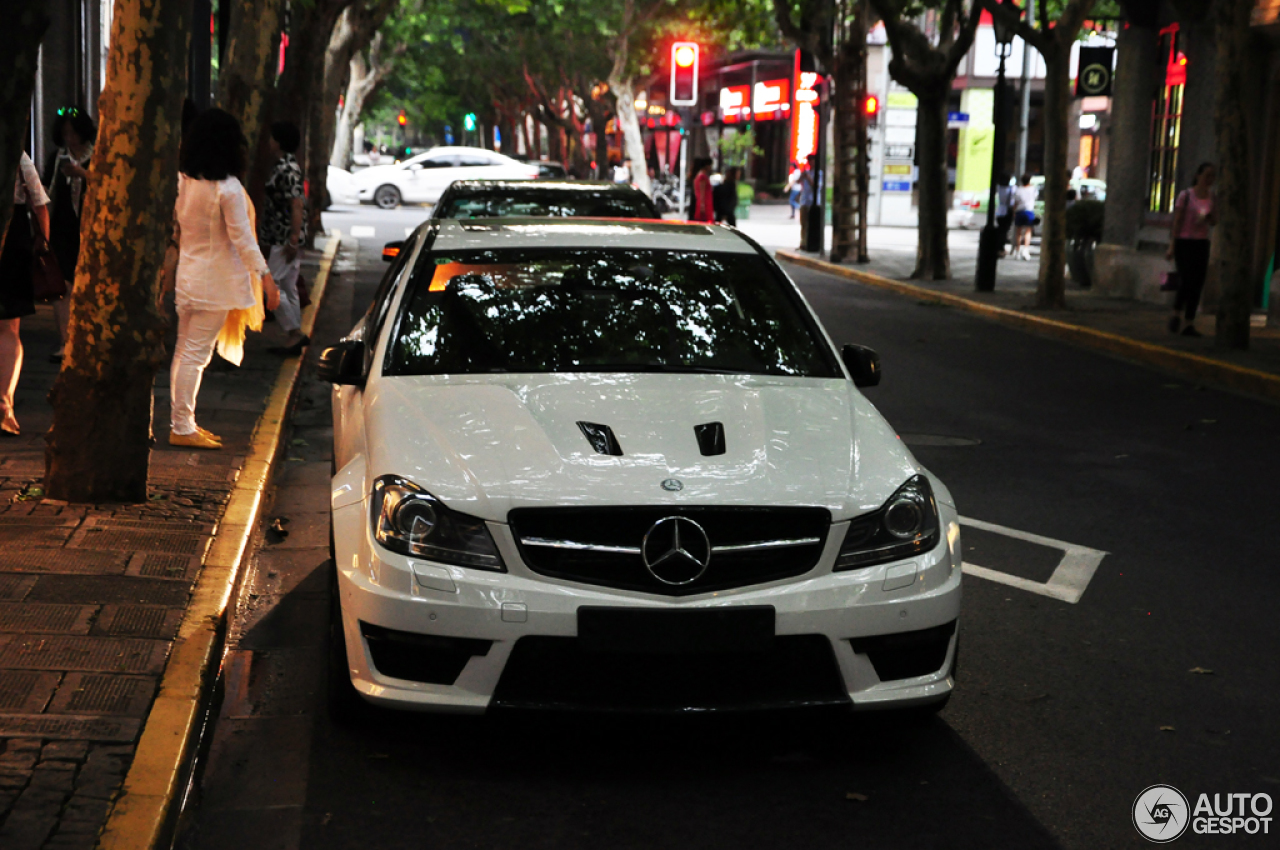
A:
{"points": [[1194, 212]]}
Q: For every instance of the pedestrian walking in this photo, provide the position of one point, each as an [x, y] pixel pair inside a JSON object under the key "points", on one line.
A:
{"points": [[67, 176], [724, 198], [1194, 213], [793, 189], [282, 231], [1024, 218], [222, 277], [28, 234], [703, 201]]}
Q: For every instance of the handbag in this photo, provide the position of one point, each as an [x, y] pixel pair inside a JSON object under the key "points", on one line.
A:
{"points": [[1170, 281], [47, 282]]}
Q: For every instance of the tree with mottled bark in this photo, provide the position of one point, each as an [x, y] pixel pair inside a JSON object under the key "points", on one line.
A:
{"points": [[247, 71], [99, 445], [926, 65], [1233, 249], [627, 26], [1053, 35], [365, 72], [20, 38]]}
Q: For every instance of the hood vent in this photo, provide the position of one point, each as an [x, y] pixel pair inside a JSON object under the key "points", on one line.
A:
{"points": [[601, 438], [710, 438]]}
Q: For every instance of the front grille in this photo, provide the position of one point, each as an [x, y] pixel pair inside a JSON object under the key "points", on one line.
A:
{"points": [[556, 673], [601, 546]]}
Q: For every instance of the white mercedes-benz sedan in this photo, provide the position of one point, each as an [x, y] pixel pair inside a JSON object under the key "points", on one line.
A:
{"points": [[619, 466]]}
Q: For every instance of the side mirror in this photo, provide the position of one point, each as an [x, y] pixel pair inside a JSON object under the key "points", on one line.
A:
{"points": [[391, 250], [863, 364], [343, 364]]}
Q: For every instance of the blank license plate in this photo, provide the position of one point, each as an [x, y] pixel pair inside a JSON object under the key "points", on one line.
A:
{"points": [[643, 630]]}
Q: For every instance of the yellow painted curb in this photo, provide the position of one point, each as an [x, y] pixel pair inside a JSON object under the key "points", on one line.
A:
{"points": [[138, 819], [1192, 366]]}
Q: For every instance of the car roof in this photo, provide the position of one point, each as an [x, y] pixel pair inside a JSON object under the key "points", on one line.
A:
{"points": [[501, 187], [538, 232]]}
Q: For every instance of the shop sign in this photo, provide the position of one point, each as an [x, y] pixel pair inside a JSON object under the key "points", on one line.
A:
{"points": [[804, 113], [900, 152], [957, 119], [897, 185], [735, 104], [897, 168], [1094, 77], [772, 100]]}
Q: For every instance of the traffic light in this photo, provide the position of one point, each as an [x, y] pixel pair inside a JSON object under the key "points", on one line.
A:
{"points": [[402, 119], [871, 108], [684, 73], [469, 121]]}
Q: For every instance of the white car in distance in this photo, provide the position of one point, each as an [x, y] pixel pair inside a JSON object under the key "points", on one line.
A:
{"points": [[618, 465], [422, 178]]}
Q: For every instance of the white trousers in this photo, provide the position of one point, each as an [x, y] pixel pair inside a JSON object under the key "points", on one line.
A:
{"points": [[285, 274], [197, 334]]}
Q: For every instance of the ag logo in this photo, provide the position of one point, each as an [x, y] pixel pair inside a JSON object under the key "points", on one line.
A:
{"points": [[1095, 79], [1161, 813]]}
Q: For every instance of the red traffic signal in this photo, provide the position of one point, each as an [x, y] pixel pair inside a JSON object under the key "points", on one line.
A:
{"points": [[402, 119], [684, 73], [871, 106]]}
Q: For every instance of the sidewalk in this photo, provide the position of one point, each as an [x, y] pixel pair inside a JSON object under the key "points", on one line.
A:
{"points": [[1132, 329], [92, 596]]}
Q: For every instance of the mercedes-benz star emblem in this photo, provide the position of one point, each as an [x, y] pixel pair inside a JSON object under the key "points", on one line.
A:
{"points": [[676, 550], [672, 485]]}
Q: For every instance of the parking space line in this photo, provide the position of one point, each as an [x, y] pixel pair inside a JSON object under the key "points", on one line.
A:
{"points": [[1070, 578]]}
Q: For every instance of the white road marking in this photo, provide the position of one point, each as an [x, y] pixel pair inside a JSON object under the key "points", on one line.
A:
{"points": [[360, 231], [1070, 578]]}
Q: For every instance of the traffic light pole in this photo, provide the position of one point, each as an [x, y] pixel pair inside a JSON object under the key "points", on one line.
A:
{"points": [[816, 223], [850, 172], [992, 238]]}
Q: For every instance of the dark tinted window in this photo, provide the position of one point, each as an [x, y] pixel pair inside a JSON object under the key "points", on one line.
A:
{"points": [[593, 310], [471, 159], [437, 162], [535, 201]]}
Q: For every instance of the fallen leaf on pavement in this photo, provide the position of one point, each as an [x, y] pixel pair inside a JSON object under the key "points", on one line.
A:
{"points": [[328, 816], [1167, 729], [854, 795], [1203, 671]]}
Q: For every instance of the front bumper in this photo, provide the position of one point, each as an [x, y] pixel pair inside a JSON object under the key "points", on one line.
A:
{"points": [[383, 593]]}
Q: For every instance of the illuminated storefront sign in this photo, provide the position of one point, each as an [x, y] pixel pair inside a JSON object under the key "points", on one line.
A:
{"points": [[734, 104], [804, 114], [772, 100]]}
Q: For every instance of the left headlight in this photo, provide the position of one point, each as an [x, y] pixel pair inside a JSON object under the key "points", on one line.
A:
{"points": [[409, 520], [904, 526]]}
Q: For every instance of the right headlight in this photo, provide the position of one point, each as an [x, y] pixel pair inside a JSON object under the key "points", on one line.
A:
{"points": [[409, 520], [904, 526]]}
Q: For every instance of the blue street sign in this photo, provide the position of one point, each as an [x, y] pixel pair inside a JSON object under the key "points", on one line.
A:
{"points": [[957, 119], [897, 185]]}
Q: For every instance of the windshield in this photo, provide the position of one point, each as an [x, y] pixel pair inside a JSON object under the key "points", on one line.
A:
{"points": [[594, 310], [578, 203]]}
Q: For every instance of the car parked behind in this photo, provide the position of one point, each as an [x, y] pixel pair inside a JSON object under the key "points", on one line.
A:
{"points": [[422, 178], [556, 198]]}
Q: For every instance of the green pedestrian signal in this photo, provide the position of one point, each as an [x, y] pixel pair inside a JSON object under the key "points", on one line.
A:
{"points": [[469, 121]]}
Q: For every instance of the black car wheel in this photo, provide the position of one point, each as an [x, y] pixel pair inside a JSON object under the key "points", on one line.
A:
{"points": [[387, 197]]}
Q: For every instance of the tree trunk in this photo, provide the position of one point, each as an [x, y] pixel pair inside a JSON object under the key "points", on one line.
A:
{"points": [[20, 41], [932, 260], [1051, 291], [1127, 175], [1234, 226], [626, 117], [99, 445], [248, 66]]}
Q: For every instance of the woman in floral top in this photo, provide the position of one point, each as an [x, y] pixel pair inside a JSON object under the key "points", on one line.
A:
{"points": [[281, 233]]}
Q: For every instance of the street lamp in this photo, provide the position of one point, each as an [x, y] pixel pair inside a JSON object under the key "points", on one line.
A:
{"points": [[1004, 20]]}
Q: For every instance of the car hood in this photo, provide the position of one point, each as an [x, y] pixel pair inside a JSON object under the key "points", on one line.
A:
{"points": [[487, 444], [374, 173]]}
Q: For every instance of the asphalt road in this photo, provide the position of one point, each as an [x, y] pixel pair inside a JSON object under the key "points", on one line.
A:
{"points": [[1163, 672]]}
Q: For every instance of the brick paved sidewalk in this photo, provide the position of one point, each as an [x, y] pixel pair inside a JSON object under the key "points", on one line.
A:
{"points": [[91, 596]]}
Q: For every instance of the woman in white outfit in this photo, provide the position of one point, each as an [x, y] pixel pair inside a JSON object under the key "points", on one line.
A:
{"points": [[219, 264]]}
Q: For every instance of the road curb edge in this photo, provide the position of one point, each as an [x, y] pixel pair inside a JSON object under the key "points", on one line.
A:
{"points": [[1195, 366], [143, 808]]}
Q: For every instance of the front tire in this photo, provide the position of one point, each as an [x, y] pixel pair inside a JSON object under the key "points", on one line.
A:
{"points": [[387, 197]]}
